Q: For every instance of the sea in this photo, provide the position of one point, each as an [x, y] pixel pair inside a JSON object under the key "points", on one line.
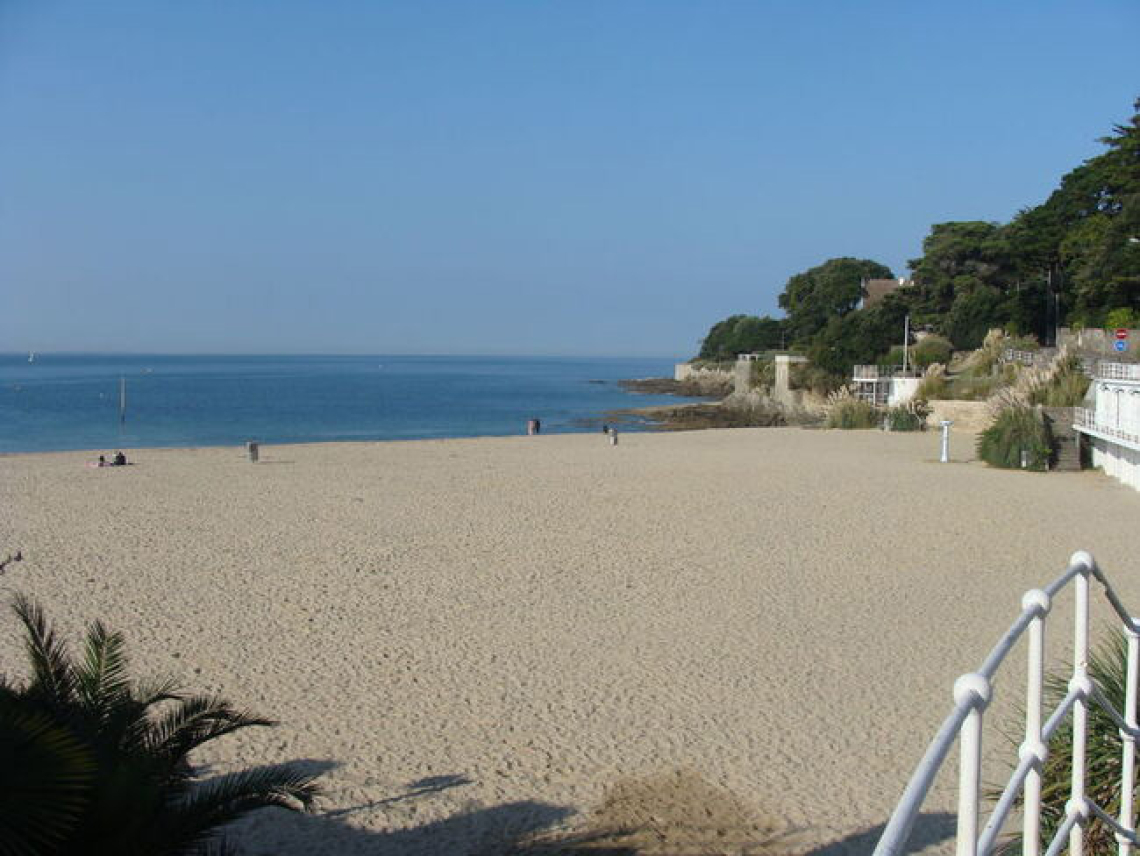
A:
{"points": [[52, 402]]}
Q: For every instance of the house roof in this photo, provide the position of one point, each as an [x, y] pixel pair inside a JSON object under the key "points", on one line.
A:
{"points": [[876, 289]]}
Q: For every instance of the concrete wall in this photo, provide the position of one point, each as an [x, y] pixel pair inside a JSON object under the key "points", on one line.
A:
{"points": [[782, 388], [1120, 462], [970, 416], [1098, 341], [687, 371], [742, 377], [903, 390]]}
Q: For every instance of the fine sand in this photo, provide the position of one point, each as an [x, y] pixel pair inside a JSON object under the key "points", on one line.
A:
{"points": [[710, 642]]}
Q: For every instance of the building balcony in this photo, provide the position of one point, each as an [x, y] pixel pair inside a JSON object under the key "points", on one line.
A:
{"points": [[1085, 421]]}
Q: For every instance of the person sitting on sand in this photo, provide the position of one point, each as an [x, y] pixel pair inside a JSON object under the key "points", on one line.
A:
{"points": [[120, 459]]}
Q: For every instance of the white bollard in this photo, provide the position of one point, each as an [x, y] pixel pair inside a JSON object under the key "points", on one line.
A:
{"points": [[946, 423]]}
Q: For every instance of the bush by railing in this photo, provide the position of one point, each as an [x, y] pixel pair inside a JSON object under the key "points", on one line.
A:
{"points": [[1017, 434]]}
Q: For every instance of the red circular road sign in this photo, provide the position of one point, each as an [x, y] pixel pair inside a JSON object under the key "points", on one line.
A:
{"points": [[1121, 333]]}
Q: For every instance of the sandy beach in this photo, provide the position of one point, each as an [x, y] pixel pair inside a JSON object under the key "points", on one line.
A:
{"points": [[481, 639]]}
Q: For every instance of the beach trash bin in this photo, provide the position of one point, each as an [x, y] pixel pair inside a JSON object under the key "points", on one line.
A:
{"points": [[252, 448]]}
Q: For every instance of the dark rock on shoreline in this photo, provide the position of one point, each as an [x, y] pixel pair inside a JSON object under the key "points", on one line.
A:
{"points": [[694, 417], [668, 386]]}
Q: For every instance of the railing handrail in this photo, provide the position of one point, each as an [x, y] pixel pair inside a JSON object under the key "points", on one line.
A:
{"points": [[1117, 371], [972, 694], [1085, 418]]}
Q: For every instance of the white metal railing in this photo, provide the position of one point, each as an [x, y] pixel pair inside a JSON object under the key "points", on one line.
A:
{"points": [[883, 372], [972, 693], [1117, 371], [871, 373], [1016, 355], [1085, 420]]}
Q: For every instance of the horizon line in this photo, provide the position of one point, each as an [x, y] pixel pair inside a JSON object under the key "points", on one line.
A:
{"points": [[93, 353]]}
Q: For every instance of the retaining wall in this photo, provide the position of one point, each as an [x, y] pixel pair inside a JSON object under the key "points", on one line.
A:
{"points": [[969, 416]]}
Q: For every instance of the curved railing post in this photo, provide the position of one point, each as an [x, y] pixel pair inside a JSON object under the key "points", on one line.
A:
{"points": [[972, 694], [973, 690], [1128, 737], [1034, 746], [1077, 806]]}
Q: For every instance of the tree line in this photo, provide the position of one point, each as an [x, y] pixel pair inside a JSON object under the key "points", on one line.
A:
{"points": [[1073, 260]]}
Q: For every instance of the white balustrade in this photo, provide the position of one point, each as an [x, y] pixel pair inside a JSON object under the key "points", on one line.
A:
{"points": [[972, 694], [1086, 420], [1118, 371]]}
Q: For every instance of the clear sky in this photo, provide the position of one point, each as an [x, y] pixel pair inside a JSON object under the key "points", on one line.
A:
{"points": [[530, 177]]}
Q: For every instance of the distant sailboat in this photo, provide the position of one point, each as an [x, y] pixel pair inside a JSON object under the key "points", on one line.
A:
{"points": [[122, 400]]}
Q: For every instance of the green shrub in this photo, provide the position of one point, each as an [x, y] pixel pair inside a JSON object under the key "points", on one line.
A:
{"points": [[931, 350], [853, 414], [907, 417], [1023, 343], [763, 375], [1017, 429], [1123, 316], [934, 388], [813, 378], [893, 357]]}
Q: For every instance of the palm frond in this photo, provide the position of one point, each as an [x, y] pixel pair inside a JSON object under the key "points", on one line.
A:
{"points": [[53, 676], [46, 776], [193, 722], [101, 677], [192, 819]]}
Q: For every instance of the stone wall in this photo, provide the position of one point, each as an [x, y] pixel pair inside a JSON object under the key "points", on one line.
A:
{"points": [[704, 381], [689, 372], [969, 416]]}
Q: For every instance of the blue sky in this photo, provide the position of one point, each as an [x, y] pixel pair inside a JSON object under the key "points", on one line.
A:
{"points": [[529, 177]]}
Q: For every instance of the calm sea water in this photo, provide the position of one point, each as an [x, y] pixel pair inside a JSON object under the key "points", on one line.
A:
{"points": [[62, 401]]}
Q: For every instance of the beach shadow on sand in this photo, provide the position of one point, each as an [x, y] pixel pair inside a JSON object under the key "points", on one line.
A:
{"points": [[672, 814]]}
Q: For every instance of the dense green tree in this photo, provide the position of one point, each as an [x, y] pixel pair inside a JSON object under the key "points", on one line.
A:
{"points": [[741, 334], [958, 258], [859, 337], [816, 297], [1082, 235], [973, 314], [1072, 259]]}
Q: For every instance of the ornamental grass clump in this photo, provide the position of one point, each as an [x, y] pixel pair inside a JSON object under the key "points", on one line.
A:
{"points": [[1064, 386], [906, 417], [1107, 669], [94, 763], [847, 412], [1016, 431]]}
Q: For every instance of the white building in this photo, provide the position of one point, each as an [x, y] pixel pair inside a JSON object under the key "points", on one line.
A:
{"points": [[1112, 425], [885, 385]]}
